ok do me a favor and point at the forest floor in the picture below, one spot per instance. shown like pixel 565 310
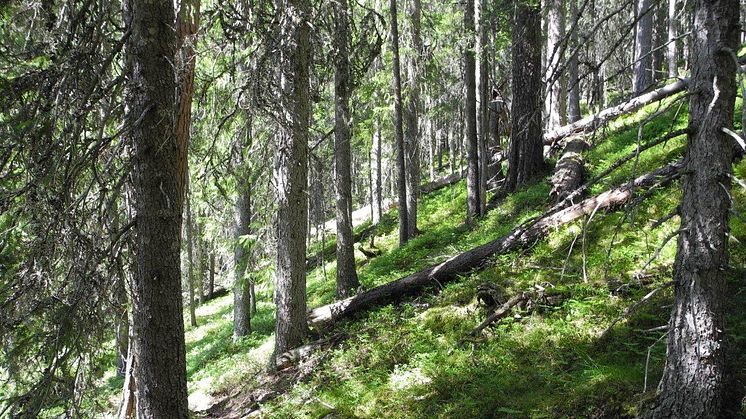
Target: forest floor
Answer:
pixel 412 359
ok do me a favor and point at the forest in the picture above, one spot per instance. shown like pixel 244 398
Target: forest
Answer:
pixel 372 209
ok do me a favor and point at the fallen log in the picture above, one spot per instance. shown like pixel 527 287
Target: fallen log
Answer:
pixel 442 182
pixel 296 355
pixel 568 173
pixel 593 121
pixel 578 192
pixel 218 291
pixel 522 236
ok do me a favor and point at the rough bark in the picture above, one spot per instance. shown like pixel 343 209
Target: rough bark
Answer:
pixel 413 138
pixel 608 114
pixel 347 282
pixel 190 256
pixel 211 275
pixel 472 142
pixel 672 66
pixel 399 128
pixel 660 37
pixel 187 26
pixel 693 379
pixel 573 82
pixel 377 171
pixel 157 313
pixel 291 169
pixel 642 76
pixel 556 97
pixel 568 173
pixel 121 324
pixel 483 102
pixel 522 236
pixel 526 154
pixel 241 259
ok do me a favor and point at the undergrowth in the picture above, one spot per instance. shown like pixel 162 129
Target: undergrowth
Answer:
pixel 411 359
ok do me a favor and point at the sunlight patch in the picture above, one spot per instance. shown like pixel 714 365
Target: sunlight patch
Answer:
pixel 402 379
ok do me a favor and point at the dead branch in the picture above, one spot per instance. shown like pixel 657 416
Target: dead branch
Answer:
pixel 631 309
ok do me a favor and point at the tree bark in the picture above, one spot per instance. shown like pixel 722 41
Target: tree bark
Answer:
pixel 399 128
pixel 573 89
pixel 121 323
pixel 157 313
pixel 609 114
pixel 472 142
pixel 291 176
pixel 377 171
pixel 672 66
pixel 190 256
pixel 483 102
pixel 555 102
pixel 413 138
pixel 347 282
pixel 211 275
pixel 693 379
pixel 660 37
pixel 187 25
pixel 526 154
pixel 568 173
pixel 642 76
pixel 241 257
pixel 521 237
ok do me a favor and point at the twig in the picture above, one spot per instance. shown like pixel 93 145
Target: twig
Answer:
pixel 660 221
pixel 631 309
pixel 500 312
pixel 659 249
pixel 647 361
pixel 567 259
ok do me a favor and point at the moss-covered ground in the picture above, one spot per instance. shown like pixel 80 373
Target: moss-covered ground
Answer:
pixel 409 359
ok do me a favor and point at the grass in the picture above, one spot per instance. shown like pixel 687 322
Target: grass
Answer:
pixel 404 360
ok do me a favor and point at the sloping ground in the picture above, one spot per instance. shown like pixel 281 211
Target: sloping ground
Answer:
pixel 412 358
pixel 406 360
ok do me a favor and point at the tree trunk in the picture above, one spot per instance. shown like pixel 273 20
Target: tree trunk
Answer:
pixel 555 103
pixel 241 255
pixel 201 262
pixel 526 154
pixel 573 89
pixel 413 137
pixel 398 126
pixel 522 236
pixel 211 275
pixel 483 102
pixel 377 171
pixel 693 379
pixel 157 313
pixel 190 256
pixel 121 323
pixel 660 38
pixel 472 142
pixel 187 25
pixel 347 282
pixel 672 66
pixel 291 176
pixel 642 76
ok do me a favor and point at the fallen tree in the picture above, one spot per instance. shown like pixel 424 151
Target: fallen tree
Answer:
pixel 568 173
pixel 593 121
pixel 442 182
pixel 522 236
